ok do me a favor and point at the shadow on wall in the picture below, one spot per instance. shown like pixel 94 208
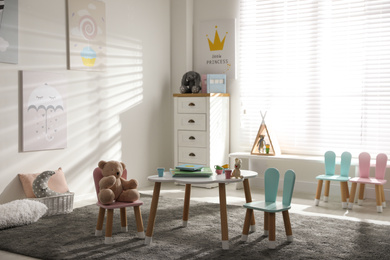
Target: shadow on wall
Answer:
pixel 95 101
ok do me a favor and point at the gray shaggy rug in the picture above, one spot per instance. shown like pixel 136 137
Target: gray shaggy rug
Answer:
pixel 71 236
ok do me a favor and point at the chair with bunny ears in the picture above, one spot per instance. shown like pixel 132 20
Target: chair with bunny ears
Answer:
pixel 330 163
pixel 364 178
pixel 270 206
pixel 97 176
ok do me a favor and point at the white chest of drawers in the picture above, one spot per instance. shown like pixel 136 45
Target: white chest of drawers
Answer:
pixel 201 129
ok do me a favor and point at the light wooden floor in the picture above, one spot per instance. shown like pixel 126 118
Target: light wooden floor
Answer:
pixel 301 204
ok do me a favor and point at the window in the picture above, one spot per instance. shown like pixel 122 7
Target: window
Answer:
pixel 321 70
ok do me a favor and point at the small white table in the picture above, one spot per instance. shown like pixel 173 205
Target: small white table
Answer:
pixel 188 181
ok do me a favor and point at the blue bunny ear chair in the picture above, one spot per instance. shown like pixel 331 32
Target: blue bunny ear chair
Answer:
pixel 270 206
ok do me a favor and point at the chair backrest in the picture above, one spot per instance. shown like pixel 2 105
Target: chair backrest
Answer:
pixel 271 184
pixel 330 162
pixel 288 187
pixel 98 175
pixel 380 167
pixel 364 165
pixel 345 164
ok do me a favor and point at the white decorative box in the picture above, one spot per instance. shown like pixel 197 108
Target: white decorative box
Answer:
pixel 60 204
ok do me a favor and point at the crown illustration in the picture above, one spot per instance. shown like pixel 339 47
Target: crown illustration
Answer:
pixel 217 45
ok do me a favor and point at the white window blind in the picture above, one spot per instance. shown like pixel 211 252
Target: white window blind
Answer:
pixel 321 70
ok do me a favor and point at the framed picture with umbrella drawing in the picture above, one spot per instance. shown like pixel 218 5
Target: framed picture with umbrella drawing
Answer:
pixel 44 111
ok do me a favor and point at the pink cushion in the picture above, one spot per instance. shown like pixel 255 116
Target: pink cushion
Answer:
pixel 57 182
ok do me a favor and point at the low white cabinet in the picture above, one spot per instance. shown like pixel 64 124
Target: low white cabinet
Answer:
pixel 201 129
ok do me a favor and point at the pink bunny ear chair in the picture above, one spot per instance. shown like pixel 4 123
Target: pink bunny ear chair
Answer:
pixel 364 178
pixel 97 176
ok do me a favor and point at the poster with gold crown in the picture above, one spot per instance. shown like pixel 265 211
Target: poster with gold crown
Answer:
pixel 217 48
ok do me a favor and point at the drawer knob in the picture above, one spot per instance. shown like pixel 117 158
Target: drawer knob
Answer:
pixel 191 138
pixel 191 104
pixel 191 121
pixel 191 154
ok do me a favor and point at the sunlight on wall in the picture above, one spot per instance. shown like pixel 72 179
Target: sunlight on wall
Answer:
pixel 95 101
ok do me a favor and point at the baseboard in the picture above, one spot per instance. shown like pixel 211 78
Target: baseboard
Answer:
pixel 83 197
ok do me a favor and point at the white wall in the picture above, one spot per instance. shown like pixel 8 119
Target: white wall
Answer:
pixel 120 114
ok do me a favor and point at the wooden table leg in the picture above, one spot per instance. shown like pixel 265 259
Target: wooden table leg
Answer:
pixel 248 198
pixel 223 210
pixel 152 214
pixel 186 208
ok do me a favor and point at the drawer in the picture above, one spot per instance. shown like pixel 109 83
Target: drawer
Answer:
pixel 191 105
pixel 192 138
pixel 193 155
pixel 191 122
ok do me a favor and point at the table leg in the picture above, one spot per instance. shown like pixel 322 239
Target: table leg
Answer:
pixel 152 214
pixel 186 208
pixel 223 210
pixel 248 198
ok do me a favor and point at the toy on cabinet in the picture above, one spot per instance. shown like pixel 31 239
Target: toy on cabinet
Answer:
pixel 190 83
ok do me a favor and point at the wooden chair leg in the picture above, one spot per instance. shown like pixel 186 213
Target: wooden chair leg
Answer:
pixel 110 218
pixel 186 208
pixel 248 198
pixel 344 187
pixel 361 193
pixel 318 193
pixel 383 196
pixel 287 226
pixel 99 225
pixel 139 222
pixel 352 195
pixel 326 191
pixel 247 222
pixel 266 225
pixel 123 220
pixel 271 237
pixel 378 194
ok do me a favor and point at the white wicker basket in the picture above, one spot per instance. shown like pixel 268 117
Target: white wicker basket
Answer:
pixel 60 204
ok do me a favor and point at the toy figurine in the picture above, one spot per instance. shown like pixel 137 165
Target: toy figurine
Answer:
pixel 261 143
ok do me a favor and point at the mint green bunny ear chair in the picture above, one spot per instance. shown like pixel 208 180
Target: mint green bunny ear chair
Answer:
pixel 330 165
pixel 270 206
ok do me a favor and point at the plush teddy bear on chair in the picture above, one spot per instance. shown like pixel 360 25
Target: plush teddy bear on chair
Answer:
pixel 113 187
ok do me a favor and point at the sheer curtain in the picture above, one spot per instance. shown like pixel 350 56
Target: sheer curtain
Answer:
pixel 321 70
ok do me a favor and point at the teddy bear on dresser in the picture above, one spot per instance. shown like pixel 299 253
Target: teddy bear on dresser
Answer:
pixel 190 83
pixel 113 187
